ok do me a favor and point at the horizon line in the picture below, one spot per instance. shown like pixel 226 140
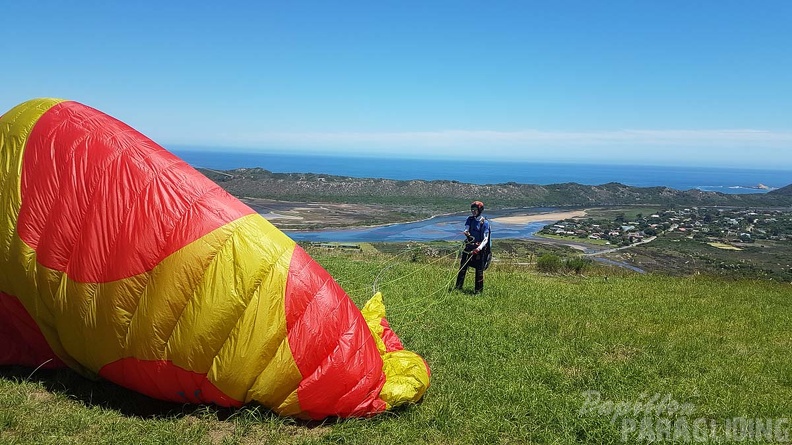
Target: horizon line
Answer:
pixel 243 150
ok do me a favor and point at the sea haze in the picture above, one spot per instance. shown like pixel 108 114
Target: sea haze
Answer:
pixel 725 180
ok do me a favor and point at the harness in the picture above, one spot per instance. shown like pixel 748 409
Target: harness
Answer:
pixel 486 251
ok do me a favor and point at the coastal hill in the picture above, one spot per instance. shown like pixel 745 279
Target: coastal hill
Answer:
pixel 451 195
pixel 783 191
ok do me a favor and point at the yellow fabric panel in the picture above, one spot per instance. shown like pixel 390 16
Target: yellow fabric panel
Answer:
pixel 406 375
pixel 373 312
pixel 236 325
pixel 277 382
pixel 35 287
pixel 94 327
pixel 406 378
pixel 175 284
pixel 15 127
pixel 291 407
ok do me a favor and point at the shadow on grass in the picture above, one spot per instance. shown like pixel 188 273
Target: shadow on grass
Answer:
pixel 108 395
pixel 105 394
pixel 102 393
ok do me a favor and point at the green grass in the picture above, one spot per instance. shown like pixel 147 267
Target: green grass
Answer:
pixel 510 366
pixel 577 239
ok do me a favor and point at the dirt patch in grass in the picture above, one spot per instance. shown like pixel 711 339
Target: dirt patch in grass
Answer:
pixel 40 396
pixel 219 431
pixel 620 353
pixel 287 215
pixel 724 246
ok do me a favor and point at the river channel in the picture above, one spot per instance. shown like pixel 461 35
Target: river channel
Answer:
pixel 449 227
pixel 446 227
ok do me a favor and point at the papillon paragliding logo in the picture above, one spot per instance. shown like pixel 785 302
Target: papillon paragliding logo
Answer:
pixel 659 418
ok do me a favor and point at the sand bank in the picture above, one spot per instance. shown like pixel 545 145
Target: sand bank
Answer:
pixel 554 216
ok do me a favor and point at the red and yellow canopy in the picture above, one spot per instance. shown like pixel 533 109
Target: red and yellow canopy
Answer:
pixel 119 260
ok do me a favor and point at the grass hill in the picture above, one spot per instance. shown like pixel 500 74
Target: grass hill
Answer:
pixel 451 195
pixel 520 364
pixel 783 191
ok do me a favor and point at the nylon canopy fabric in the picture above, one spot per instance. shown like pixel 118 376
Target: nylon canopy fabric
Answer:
pixel 119 260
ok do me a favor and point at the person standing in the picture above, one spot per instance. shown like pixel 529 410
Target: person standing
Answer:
pixel 477 231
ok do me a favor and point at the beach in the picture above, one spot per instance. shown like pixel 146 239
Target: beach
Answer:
pixel 314 215
pixel 551 216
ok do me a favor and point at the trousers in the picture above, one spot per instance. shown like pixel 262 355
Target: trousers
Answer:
pixel 475 261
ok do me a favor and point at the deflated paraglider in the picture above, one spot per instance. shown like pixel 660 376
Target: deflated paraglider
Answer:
pixel 119 260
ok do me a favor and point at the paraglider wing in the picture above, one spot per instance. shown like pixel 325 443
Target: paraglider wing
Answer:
pixel 121 261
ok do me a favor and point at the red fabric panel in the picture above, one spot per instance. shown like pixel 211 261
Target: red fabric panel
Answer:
pixel 331 345
pixel 102 202
pixel 391 340
pixel 21 339
pixel 163 380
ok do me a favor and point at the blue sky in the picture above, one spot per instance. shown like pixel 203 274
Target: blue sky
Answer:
pixel 642 82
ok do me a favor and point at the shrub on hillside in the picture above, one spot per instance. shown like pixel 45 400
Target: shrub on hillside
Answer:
pixel 577 265
pixel 549 263
pixel 552 263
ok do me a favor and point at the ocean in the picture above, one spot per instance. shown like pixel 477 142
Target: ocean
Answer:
pixel 724 180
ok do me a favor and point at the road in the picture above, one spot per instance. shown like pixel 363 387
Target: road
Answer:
pixel 616 249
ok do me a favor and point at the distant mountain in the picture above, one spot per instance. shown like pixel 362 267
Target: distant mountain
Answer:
pixel 783 191
pixel 451 195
